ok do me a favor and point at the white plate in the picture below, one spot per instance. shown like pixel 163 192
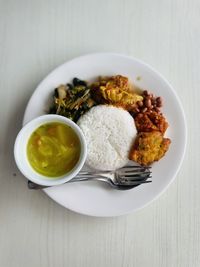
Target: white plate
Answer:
pixel 94 199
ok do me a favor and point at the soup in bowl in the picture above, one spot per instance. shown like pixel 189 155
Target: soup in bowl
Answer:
pixel 50 150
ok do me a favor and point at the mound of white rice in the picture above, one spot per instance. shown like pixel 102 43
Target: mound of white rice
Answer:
pixel 109 133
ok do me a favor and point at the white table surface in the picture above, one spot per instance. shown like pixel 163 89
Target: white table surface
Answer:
pixel 35 37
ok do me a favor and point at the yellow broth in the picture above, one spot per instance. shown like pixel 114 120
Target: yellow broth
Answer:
pixel 53 149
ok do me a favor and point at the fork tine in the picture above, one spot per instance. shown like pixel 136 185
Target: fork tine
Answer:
pixel 144 178
pixel 131 175
pixel 138 180
pixel 135 174
pixel 139 170
pixel 135 167
pixel 134 171
pixel 134 183
pixel 127 174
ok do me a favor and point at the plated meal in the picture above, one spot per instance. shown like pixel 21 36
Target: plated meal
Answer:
pixel 120 121
pixel 117 122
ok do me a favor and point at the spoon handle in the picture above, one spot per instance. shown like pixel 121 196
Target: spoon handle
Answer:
pixel 32 185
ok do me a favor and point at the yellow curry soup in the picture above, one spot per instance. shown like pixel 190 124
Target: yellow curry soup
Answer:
pixel 53 149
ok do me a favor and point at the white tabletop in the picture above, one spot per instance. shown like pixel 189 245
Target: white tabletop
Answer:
pixel 35 37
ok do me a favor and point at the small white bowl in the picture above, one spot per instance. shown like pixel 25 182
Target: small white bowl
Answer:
pixel 20 151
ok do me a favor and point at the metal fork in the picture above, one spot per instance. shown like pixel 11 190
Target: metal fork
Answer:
pixel 121 179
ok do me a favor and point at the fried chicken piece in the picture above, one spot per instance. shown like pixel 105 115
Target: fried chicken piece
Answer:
pixel 115 90
pixel 151 121
pixel 149 147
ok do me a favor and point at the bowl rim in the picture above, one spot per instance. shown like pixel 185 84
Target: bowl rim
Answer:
pixel 27 170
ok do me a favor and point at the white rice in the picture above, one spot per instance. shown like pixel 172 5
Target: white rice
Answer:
pixel 109 133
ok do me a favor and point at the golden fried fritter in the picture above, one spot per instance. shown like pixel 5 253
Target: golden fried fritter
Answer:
pixel 118 81
pixel 149 147
pixel 115 90
pixel 151 121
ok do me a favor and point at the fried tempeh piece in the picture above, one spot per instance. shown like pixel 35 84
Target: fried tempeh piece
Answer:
pixel 149 147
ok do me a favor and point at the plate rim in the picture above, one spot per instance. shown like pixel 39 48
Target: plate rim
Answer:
pixel 157 73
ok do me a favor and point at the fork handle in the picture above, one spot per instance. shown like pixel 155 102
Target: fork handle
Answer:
pixel 32 185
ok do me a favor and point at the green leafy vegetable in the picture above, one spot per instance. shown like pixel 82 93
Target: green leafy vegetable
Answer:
pixel 72 100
